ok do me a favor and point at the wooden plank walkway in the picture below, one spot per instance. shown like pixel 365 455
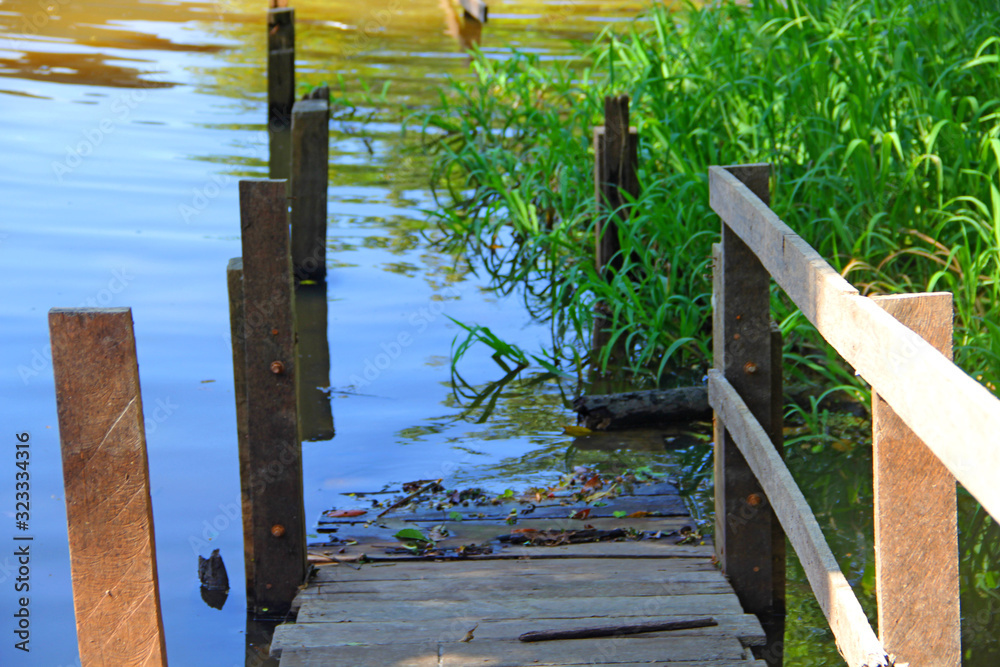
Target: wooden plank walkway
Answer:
pixel 381 606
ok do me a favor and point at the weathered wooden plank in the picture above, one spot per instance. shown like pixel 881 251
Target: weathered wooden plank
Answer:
pixel 237 331
pixel 473 569
pixel 309 182
pixel 325 610
pixel 376 550
pixel 296 636
pixel 749 539
pixel 405 655
pixel 106 474
pixel 916 535
pixel 855 638
pixel 659 647
pixel 955 416
pixel 666 506
pixel 272 424
pixel 513 588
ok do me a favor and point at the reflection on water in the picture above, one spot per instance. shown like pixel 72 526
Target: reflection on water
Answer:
pixel 130 124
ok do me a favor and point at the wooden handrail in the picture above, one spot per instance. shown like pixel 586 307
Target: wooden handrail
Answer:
pixel 855 637
pixel 955 416
pixel 932 424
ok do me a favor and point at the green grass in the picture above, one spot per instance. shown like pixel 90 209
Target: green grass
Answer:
pixel 882 121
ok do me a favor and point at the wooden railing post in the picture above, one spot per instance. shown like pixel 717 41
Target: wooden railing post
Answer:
pixel 309 180
pixel 273 446
pixel 280 87
pixel 108 509
pixel 916 540
pixel 749 539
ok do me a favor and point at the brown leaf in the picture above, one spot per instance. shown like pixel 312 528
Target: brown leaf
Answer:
pixel 339 514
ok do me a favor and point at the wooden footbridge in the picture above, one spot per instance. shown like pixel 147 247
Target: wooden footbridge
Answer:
pixel 629 579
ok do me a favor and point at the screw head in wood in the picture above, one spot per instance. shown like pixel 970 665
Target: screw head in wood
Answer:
pixel 277 530
pixel 749 368
pixel 277 367
pixel 755 499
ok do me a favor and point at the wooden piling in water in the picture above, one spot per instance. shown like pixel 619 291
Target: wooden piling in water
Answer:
pixel 916 540
pixel 106 475
pixel 311 320
pixel 750 543
pixel 616 160
pixel 309 181
pixel 273 446
pixel 280 88
pixel 237 329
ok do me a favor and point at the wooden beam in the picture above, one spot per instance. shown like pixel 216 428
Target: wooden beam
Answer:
pixel 749 539
pixel 280 89
pixel 309 181
pixel 237 329
pixel 855 638
pixel 955 416
pixel 108 509
pixel 616 158
pixel 273 445
pixel 916 535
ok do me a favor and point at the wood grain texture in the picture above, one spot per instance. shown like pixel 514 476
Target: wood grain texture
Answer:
pixel 237 332
pixel 916 535
pixel 955 416
pixel 855 638
pixel 106 473
pixel 750 541
pixel 309 181
pixel 273 444
pixel 616 160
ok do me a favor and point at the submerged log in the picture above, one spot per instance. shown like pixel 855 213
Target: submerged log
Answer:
pixel 639 409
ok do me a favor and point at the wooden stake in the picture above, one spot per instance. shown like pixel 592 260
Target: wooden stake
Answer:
pixel 273 446
pixel 749 539
pixel 616 159
pixel 108 509
pixel 916 541
pixel 280 88
pixel 237 328
pixel 310 160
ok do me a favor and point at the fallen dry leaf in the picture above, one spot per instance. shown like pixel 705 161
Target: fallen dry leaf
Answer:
pixel 340 514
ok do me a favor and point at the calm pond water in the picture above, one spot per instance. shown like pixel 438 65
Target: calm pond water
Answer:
pixel 126 128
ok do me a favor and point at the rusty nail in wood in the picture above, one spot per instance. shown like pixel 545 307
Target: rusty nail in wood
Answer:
pixel 736 336
pixel 754 499
pixel 277 530
pixel 277 367
pixel 274 332
pixel 749 368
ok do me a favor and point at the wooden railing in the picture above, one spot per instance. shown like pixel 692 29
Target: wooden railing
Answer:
pixel 932 424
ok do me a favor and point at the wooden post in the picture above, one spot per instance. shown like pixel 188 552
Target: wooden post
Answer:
pixel 749 539
pixel 916 541
pixel 616 160
pixel 237 328
pixel 315 412
pixel 280 87
pixel 106 474
pixel 273 446
pixel 310 169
